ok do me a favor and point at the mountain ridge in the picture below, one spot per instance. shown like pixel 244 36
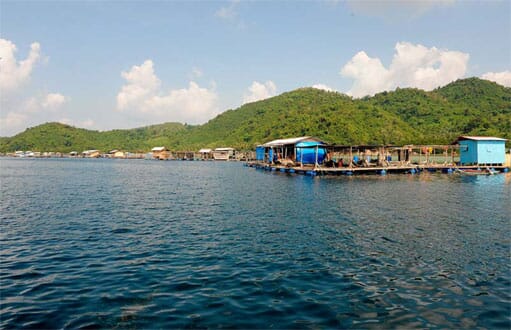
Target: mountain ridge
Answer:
pixel 405 116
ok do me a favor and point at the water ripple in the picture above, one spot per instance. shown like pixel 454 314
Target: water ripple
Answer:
pixel 140 244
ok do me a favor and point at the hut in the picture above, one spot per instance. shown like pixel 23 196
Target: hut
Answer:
pixel 160 153
pixel 304 150
pixel 91 154
pixel 119 154
pixel 205 154
pixel 223 153
pixel 481 150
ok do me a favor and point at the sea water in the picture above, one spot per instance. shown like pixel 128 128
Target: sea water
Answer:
pixel 105 243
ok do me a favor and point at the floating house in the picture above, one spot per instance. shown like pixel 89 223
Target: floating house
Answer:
pixel 481 150
pixel 302 150
pixel 119 154
pixel 205 154
pixel 223 153
pixel 160 153
pixel 91 154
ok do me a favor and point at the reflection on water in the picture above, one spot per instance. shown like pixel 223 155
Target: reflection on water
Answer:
pixel 147 244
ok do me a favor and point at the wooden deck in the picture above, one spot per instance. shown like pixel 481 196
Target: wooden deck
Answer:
pixel 370 170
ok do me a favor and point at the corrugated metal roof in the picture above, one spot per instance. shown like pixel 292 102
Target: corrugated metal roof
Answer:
pixel 158 149
pixel 480 138
pixel 224 149
pixel 205 150
pixel 281 142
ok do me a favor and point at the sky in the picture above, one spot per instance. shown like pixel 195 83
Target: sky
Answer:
pixel 121 64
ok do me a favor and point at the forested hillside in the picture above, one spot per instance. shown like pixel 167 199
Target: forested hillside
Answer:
pixel 405 116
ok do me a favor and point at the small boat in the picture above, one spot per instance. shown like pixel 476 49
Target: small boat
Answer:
pixel 483 171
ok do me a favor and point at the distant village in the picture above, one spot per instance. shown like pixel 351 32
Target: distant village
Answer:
pixel 157 153
pixel 311 155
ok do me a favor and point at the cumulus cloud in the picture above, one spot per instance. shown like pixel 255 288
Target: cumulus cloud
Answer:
pixel 503 78
pixel 14 73
pixel 323 87
pixel 412 66
pixel 142 96
pixel 21 113
pixel 20 108
pixel 141 84
pixel 260 91
pixel 396 9
pixel 53 101
pixel 43 103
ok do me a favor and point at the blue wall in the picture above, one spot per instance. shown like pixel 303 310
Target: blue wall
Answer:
pixel 482 152
pixel 260 153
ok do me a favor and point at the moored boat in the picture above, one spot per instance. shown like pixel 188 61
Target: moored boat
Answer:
pixel 478 171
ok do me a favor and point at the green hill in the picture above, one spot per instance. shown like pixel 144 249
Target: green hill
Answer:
pixel 405 116
pixel 65 138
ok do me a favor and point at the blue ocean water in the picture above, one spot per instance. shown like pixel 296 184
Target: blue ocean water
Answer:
pixel 154 244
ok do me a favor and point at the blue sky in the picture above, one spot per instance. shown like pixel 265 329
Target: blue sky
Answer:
pixel 123 64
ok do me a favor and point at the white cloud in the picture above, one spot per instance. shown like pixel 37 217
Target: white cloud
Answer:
pixel 323 87
pixel 49 102
pixel 14 73
pixel 18 114
pixel 503 78
pixel 229 12
pixel 19 109
pixel 412 66
pixel 12 122
pixel 142 84
pixel 143 97
pixel 53 101
pixel 396 9
pixel 81 124
pixel 260 91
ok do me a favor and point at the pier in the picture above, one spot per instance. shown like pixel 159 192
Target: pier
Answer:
pixel 311 156
pixel 377 170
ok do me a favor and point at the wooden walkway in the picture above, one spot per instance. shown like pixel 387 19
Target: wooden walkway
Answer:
pixel 370 170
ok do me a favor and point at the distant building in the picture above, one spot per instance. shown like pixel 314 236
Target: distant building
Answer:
pixel 206 154
pixel 119 154
pixel 160 153
pixel 223 153
pixel 91 154
pixel 481 150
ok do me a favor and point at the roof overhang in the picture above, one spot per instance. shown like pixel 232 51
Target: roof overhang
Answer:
pixel 478 138
pixel 291 141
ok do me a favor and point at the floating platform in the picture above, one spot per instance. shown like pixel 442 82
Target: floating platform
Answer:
pixel 370 170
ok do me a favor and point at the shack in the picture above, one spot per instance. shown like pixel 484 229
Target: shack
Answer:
pixel 205 154
pixel 304 150
pixel 160 153
pixel 481 150
pixel 223 153
pixel 91 154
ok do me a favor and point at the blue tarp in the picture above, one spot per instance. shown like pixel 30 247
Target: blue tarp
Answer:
pixel 306 152
pixel 260 153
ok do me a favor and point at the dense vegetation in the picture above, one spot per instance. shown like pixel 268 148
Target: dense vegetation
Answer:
pixel 405 116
